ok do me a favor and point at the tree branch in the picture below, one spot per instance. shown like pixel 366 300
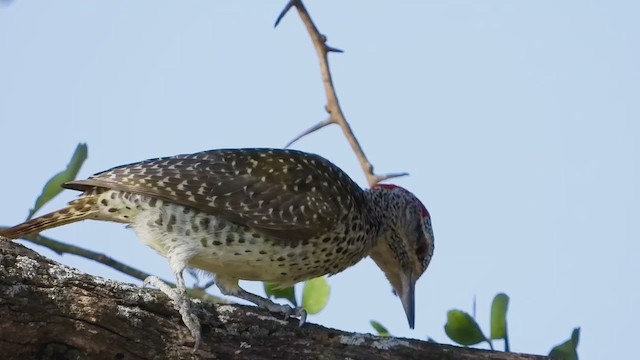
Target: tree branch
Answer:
pixel 50 311
pixel 61 248
pixel 336 116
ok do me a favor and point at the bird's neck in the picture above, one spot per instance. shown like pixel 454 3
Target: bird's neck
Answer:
pixel 382 207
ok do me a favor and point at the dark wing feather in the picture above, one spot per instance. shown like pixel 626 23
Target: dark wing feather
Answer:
pixel 283 193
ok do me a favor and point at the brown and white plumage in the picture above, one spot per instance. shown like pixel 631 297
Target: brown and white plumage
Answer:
pixel 257 214
pixel 283 193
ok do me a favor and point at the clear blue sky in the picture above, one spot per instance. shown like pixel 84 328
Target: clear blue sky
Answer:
pixel 518 121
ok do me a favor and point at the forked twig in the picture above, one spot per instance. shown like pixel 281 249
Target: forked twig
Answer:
pixel 336 116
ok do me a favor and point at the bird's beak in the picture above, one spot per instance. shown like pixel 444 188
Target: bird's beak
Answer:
pixel 407 296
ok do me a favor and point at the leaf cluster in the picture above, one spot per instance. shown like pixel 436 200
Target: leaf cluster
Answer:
pixel 463 329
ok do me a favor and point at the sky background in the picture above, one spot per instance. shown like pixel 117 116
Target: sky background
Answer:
pixel 517 120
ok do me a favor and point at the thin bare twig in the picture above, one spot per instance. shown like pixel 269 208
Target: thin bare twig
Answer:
pixel 314 128
pixel 61 248
pixel 336 116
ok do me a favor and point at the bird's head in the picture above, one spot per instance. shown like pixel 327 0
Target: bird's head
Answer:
pixel 406 245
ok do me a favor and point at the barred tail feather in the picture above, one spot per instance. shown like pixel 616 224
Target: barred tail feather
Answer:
pixel 78 210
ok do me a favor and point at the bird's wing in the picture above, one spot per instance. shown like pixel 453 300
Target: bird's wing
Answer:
pixel 286 194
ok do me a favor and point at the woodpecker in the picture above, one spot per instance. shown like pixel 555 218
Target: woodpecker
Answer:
pixel 274 215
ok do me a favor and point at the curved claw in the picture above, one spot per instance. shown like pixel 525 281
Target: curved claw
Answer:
pixel 302 314
pixel 297 312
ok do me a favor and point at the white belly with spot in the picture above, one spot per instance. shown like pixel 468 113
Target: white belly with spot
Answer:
pixel 189 238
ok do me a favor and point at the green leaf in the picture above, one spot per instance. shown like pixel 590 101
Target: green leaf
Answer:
pixel 272 290
pixel 499 316
pixel 315 295
pixel 382 331
pixel 463 329
pixel 53 187
pixel 568 350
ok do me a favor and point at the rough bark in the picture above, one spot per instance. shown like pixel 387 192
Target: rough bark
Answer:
pixel 51 311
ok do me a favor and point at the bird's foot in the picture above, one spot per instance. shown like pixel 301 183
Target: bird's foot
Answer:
pixel 297 312
pixel 286 310
pixel 230 287
pixel 273 307
pixel 182 303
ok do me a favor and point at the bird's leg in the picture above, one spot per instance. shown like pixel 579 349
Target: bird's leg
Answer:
pixel 181 301
pixel 230 287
